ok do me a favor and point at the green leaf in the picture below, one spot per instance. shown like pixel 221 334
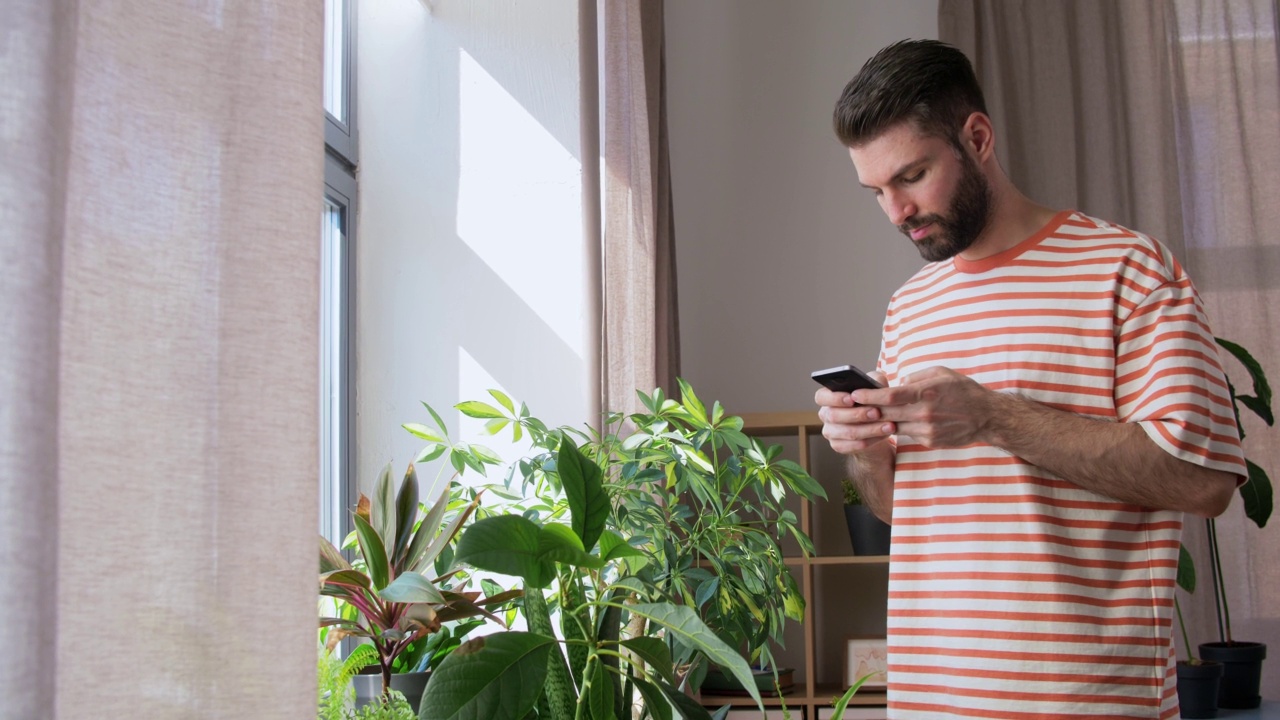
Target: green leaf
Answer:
pixel 424 432
pixel 588 503
pixel 1261 388
pixel 1259 408
pixel 439 422
pixel 496 676
pixel 654 700
pixel 430 452
pixel 375 556
pixel 558 543
pixel 837 710
pixel 495 426
pixel 506 544
pixel 383 511
pixel 411 587
pixel 599 691
pixel 685 625
pixel 406 512
pixel 446 536
pixel 347 577
pixel 613 547
pixel 1257 495
pixel 505 401
pixel 477 409
pixel 691 402
pixel 426 531
pixel 1186 570
pixel 655 654
pixel 330 558
pixel 688 708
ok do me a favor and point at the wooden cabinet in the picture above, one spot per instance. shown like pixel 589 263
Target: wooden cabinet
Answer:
pixel 844 594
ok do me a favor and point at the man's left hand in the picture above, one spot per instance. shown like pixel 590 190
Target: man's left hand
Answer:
pixel 937 407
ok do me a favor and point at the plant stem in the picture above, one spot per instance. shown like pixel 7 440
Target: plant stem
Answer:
pixel 1221 587
pixel 1186 639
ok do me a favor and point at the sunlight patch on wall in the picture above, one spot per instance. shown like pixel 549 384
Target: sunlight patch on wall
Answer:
pixel 520 203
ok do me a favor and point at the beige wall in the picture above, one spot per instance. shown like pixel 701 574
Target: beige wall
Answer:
pixel 469 242
pixel 785 264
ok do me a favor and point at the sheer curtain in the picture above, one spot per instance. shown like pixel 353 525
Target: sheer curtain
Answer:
pixel 1163 116
pixel 161 188
pixel 640 343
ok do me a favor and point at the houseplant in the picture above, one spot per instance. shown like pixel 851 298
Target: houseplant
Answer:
pixel 1242 660
pixel 402 585
pixel 868 533
pixel 669 562
pixel 1199 681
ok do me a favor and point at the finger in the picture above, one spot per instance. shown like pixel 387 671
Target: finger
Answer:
pixel 829 398
pixel 855 415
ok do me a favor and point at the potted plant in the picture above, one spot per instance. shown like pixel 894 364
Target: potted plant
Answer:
pixel 1199 680
pixel 1242 660
pixel 868 533
pixel 402 585
pixel 336 694
pixel 668 562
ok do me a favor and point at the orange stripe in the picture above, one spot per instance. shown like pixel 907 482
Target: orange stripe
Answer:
pixel 1060 503
pixel 1052 658
pixel 1075 542
pixel 1003 714
pixel 1026 577
pixel 1022 695
pixel 1228 458
pixel 1026 597
pixel 1074 618
pixel 1058 677
pixel 1044 557
pixel 1040 518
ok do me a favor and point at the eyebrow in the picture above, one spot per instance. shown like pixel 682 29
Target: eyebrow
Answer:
pixel 905 169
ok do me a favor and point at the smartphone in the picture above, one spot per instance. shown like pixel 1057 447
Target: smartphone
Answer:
pixel 845 378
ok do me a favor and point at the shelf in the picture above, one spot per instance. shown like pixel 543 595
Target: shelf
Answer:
pixel 837 560
pixel 822 697
pixel 780 423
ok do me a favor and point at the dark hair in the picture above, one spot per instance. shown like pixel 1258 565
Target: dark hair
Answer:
pixel 925 81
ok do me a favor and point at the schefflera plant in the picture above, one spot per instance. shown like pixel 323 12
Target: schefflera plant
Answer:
pixel 399 580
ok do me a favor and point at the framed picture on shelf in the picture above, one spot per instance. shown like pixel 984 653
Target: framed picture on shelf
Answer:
pixel 866 656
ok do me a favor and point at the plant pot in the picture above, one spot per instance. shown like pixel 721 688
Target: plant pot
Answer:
pixel 1242 671
pixel 368 686
pixel 869 534
pixel 1198 689
pixel 719 682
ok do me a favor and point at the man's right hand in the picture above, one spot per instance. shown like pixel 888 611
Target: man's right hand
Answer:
pixel 851 429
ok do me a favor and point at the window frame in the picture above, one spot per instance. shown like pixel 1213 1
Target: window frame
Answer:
pixel 341 138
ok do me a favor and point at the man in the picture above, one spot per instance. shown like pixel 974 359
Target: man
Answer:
pixel 1054 403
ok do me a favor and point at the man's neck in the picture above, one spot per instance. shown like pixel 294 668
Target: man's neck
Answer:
pixel 1014 218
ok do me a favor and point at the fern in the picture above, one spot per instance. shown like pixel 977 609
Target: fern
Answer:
pixel 334 690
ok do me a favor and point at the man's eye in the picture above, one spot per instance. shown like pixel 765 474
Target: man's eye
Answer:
pixel 913 178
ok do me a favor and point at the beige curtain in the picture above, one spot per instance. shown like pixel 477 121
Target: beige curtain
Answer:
pixel 161 189
pixel 640 339
pixel 1163 116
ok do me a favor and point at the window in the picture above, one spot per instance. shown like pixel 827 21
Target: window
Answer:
pixel 337 237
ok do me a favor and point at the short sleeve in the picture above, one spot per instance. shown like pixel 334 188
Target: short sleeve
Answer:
pixel 1169 379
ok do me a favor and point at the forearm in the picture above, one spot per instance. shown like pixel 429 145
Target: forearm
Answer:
pixel 1116 460
pixel 872 472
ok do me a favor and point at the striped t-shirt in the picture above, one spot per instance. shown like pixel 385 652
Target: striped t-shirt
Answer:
pixel 1012 593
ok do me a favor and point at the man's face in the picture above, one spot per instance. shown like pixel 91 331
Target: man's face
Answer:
pixel 936 195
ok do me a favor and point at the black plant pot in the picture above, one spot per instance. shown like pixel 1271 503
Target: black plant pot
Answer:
pixel 1198 689
pixel 368 686
pixel 869 534
pixel 1242 673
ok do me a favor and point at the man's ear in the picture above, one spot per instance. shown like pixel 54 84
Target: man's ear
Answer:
pixel 979 136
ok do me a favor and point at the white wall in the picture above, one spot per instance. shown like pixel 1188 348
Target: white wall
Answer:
pixel 469 242
pixel 785 264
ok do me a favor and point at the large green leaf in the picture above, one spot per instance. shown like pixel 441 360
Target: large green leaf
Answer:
pixel 588 503
pixel 496 676
pixel 477 409
pixel 837 710
pixel 654 700
pixel 599 691
pixel 1257 494
pixel 558 543
pixel 424 432
pixel 506 544
pixel 688 708
pixel 613 547
pixel 1186 570
pixel 375 555
pixel 1261 404
pixel 683 623
pixel 406 512
pixel 411 587
pixel 655 653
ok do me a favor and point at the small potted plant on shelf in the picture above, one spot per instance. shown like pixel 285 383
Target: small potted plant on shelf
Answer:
pixel 657 537
pixel 868 533
pixel 402 585
pixel 1241 660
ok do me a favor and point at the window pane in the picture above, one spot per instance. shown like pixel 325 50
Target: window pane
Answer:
pixel 335 59
pixel 332 369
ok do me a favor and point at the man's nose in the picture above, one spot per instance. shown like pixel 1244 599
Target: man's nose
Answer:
pixel 898 207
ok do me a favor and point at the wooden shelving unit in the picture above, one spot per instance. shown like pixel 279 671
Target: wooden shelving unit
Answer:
pixel 808 694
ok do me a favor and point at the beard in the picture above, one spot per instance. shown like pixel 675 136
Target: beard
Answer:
pixel 967 216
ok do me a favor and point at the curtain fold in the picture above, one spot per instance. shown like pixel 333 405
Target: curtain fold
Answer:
pixel 161 296
pixel 640 343
pixel 1165 117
